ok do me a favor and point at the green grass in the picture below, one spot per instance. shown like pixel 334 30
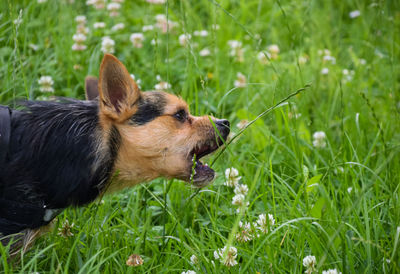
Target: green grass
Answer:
pixel 304 187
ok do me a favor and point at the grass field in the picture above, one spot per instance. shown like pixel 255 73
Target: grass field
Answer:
pixel 325 164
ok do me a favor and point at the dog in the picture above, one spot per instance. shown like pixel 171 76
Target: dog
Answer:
pixel 62 153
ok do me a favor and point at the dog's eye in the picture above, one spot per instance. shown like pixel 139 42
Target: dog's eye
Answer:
pixel 180 115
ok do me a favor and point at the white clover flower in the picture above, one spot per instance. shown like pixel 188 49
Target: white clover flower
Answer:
pixel 245 233
pixel 98 4
pixel 41 1
pixel 302 60
pixel 114 8
pixel 161 17
pixel 240 81
pixel 331 271
pixel 347 75
pixel 107 45
pixel 184 39
pixel 118 1
pixel 263 57
pixel 156 2
pixel 65 229
pixel 78 47
pixel 99 25
pixel 147 28
pixel 137 39
pixel 82 29
pixel 201 33
pixel 189 271
pixel 228 259
pixel 163 24
pixel 262 224
pixel 354 14
pixel 236 50
pixel 239 200
pixel 324 71
pixel 118 26
pixel 205 52
pixel 193 259
pixel 349 189
pixel 232 177
pixel 274 51
pixel 363 62
pixel 79 38
pixel 328 58
pixel 241 189
pixel 319 139
pixel 46 84
pixel 77 67
pixel 162 86
pixel 80 19
pixel 234 44
pixel 309 262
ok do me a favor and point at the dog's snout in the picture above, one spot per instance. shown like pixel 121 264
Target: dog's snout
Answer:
pixel 223 126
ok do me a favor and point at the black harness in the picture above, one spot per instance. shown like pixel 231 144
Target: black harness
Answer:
pixel 16 215
pixel 5 132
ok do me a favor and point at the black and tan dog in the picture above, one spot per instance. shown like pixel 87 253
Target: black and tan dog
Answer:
pixel 64 153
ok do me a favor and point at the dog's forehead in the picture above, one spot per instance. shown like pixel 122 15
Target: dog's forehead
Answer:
pixel 169 103
pixel 174 103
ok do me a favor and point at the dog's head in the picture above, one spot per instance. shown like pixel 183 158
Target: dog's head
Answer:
pixel 158 135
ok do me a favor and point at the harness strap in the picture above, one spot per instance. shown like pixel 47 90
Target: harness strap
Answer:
pixel 5 132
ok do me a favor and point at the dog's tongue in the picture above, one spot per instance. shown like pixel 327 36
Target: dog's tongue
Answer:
pixel 203 174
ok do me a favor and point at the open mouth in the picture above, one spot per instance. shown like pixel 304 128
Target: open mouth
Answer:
pixel 202 174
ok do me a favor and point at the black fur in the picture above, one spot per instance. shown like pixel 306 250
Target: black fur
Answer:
pixel 149 108
pixel 50 161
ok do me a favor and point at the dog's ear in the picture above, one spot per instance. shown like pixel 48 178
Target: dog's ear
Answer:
pixel 117 90
pixel 91 87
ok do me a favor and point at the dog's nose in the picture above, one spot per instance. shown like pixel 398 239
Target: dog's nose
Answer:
pixel 224 123
pixel 223 126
